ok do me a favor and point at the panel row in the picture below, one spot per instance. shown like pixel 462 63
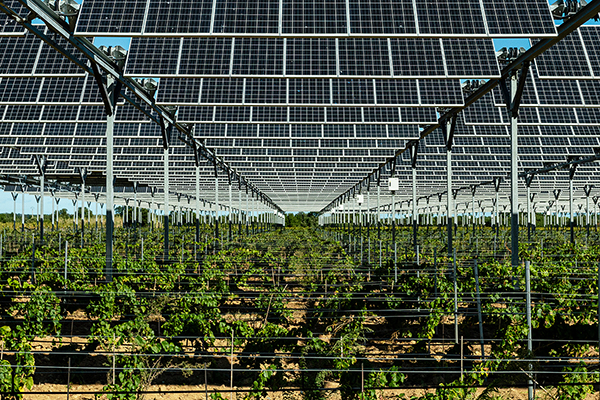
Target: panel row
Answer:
pixel 313 92
pixel 301 57
pixel 555 92
pixel 477 18
pixel 235 92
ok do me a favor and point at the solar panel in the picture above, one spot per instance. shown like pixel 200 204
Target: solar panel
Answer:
pixel 440 92
pixel 19 90
pixel 311 57
pixel 382 17
pixel 306 114
pixel 182 16
pixel 19 55
pixel 483 112
pixel 470 58
pixel 515 17
pixel 558 93
pixel 91 114
pixel 60 113
pixel 590 92
pixel 450 17
pixel 111 17
pixel 567 59
pixel 258 56
pixel 8 26
pixel 270 114
pixel 417 57
pixel 587 115
pixel 52 63
pixel 314 17
pixel 247 17
pixel 364 57
pixel 590 36
pixel 396 92
pixel 264 91
pixel 61 90
pixel 153 56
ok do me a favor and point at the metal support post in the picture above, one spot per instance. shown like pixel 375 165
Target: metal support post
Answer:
pixel 166 202
pixel 216 205
pixel 587 190
pixel 448 129
pixel 23 210
pixel 414 148
pixel 529 336
pixel 572 169
pixel 512 100
pixel 41 164
pixel 111 86
pixel 14 196
pixel 197 237
pixel 378 217
pixel 230 214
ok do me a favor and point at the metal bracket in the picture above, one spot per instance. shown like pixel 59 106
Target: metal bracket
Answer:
pixel 513 104
pixel 439 195
pixel 587 189
pixel 572 169
pixel 393 167
pixel 41 163
pixel 556 193
pixel 497 182
pixel 473 189
pixel 532 196
pixel 529 179
pixel 83 173
pixel 449 135
pixel 455 193
pixel 413 147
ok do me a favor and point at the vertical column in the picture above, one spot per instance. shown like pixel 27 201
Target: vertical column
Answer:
pixel 378 217
pixel 166 202
pixel 528 180
pixel 415 213
pixel 42 208
pixel 587 189
pixel 197 204
pixel 449 127
pixel 572 169
pixel 216 205
pixel 41 164
pixel 230 211
pixel 110 194
pixel 514 173
pixel 14 196
pixel 23 209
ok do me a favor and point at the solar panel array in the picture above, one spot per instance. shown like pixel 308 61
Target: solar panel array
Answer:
pixel 304 98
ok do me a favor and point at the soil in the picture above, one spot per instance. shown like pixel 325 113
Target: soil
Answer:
pixel 173 392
